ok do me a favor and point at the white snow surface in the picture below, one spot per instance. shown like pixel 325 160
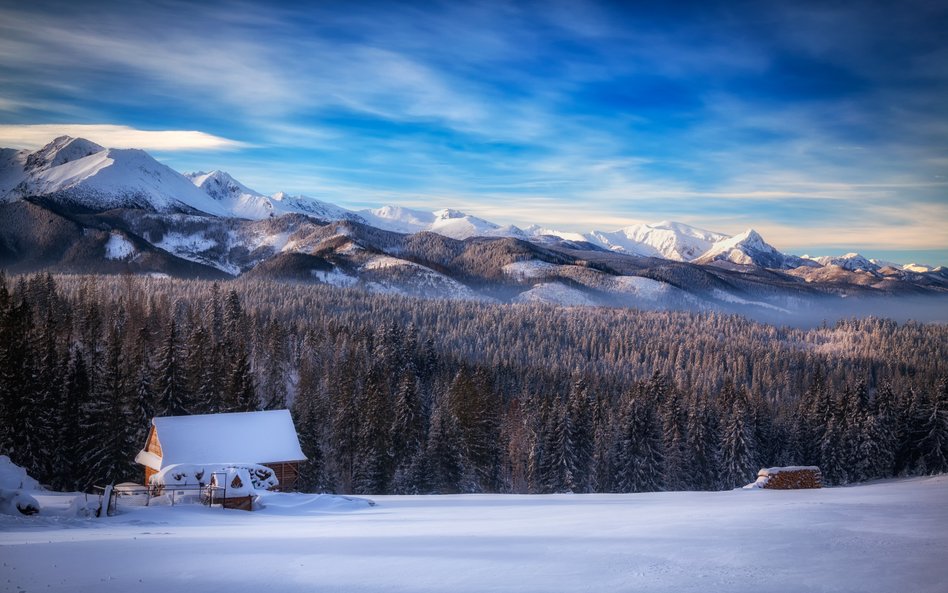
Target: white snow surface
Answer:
pixel 239 437
pixel 118 247
pixel 555 293
pixel 877 538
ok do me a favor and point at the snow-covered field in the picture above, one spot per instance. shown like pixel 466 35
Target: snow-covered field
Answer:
pixel 889 536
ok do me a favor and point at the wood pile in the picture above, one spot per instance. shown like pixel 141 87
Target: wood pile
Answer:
pixel 790 478
pixel 243 503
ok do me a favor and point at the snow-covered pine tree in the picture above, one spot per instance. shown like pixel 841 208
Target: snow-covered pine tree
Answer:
pixel 275 372
pixel 602 446
pixel 67 462
pixel 198 347
pixel 701 444
pixel 16 378
pixel 833 457
pixel 374 464
pixel 678 468
pixel 738 462
pixel 637 456
pixel 109 447
pixel 344 423
pixel 408 430
pixel 555 471
pixel 308 417
pixel 241 393
pixel 475 408
pixel 445 458
pixel 933 446
pixel 579 434
pixel 171 384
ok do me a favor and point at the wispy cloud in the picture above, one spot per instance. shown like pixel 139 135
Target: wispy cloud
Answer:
pixel 112 136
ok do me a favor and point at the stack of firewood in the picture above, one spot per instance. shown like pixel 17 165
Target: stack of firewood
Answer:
pixel 791 478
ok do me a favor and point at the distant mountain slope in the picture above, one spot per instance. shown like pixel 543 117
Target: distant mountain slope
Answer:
pixel 74 206
pixel 242 202
pixel 447 222
pixel 749 249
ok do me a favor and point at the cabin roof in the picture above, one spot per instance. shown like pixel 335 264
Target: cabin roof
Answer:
pixel 240 437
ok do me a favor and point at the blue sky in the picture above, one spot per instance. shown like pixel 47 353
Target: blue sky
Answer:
pixel 822 125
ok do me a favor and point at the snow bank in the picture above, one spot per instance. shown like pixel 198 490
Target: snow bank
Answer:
pixel 296 504
pixel 15 485
pixel 17 501
pixel 14 477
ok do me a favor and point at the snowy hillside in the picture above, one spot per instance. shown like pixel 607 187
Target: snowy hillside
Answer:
pixel 876 538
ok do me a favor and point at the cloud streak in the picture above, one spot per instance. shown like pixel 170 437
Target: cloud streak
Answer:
pixel 112 136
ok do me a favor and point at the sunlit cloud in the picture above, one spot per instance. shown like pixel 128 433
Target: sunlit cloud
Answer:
pixel 112 136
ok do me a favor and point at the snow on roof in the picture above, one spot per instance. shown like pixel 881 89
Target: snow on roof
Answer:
pixel 247 437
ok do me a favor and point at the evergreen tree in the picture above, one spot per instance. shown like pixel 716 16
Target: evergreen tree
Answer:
pixel 701 446
pixel 638 455
pixel 408 432
pixel 738 463
pixel 172 388
pixel 475 409
pixel 67 463
pixel 677 470
pixel 934 443
pixel 109 447
pixel 374 465
pixel 241 392
pixel 579 436
pixel 445 459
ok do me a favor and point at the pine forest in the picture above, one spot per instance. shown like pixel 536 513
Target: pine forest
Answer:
pixel 399 395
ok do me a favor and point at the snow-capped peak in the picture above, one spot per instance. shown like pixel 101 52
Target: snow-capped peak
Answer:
pixel 220 185
pixel 665 239
pixel 849 261
pixel 77 171
pixel 448 214
pixel 60 151
pixel 748 248
pixel 446 221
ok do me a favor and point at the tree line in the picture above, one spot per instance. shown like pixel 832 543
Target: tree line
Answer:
pixel 393 394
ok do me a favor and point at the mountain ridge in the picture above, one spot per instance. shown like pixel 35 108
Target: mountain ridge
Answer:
pixel 84 208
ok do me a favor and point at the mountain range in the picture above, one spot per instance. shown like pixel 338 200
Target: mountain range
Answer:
pixel 75 206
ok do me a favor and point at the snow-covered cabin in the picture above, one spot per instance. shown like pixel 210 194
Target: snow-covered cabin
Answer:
pixel 267 438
